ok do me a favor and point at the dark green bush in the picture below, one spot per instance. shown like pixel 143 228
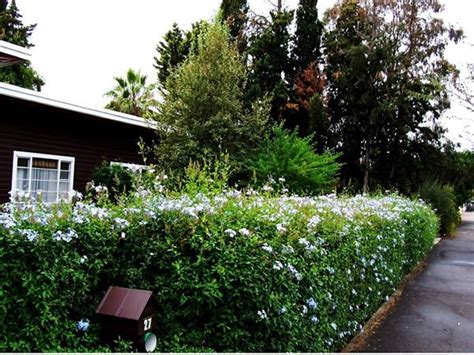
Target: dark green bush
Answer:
pixel 285 155
pixel 231 271
pixel 116 178
pixel 443 200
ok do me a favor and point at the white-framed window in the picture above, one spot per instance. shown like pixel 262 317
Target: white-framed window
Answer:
pixel 50 175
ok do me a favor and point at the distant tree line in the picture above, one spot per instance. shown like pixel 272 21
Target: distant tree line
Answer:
pixel 367 83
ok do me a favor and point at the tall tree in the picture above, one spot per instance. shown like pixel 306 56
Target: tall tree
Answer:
pixel 234 13
pixel 132 95
pixel 203 108
pixel 386 75
pixel 176 46
pixel 172 51
pixel 305 77
pixel 269 52
pixel 307 37
pixel 13 31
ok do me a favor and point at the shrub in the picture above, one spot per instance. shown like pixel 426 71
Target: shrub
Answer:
pixel 235 271
pixel 203 109
pixel 284 154
pixel 443 200
pixel 116 178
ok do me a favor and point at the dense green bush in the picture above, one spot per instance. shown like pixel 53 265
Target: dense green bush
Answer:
pixel 232 271
pixel 443 200
pixel 285 155
pixel 116 178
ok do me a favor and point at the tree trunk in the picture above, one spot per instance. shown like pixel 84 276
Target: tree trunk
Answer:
pixel 365 186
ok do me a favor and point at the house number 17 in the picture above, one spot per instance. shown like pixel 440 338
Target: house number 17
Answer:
pixel 146 324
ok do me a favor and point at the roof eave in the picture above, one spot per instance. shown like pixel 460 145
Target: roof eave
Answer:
pixel 37 97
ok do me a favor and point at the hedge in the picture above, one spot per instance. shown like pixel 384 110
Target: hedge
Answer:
pixel 234 271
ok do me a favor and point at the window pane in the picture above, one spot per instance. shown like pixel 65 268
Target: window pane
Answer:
pixel 64 186
pixel 22 178
pixel 44 180
pixel 23 162
pixel 45 163
pixel 64 175
pixel 65 165
pixel 49 196
pixel 22 173
pixel 22 184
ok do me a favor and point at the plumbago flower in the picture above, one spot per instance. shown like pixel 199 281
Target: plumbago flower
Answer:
pixel 293 241
pixel 83 325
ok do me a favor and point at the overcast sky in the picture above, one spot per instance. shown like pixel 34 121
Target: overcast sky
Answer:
pixel 81 45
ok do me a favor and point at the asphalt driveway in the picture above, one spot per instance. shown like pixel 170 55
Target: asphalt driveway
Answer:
pixel 436 310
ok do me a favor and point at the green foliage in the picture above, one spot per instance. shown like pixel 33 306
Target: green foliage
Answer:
pixel 232 272
pixel 176 46
pixel 269 50
pixel 285 155
pixel 202 112
pixel 117 179
pixel 307 38
pixel 318 123
pixel 235 14
pixel 13 31
pixel 443 200
pixel 132 95
pixel 381 95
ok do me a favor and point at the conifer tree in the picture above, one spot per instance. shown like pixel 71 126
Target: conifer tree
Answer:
pixel 176 46
pixel 13 31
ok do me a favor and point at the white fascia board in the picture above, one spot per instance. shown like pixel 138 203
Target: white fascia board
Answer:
pixel 37 97
pixel 15 51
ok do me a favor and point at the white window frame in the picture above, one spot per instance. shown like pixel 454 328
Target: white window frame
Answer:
pixel 31 156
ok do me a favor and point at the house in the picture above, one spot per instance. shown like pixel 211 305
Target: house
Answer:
pixel 54 146
pixel 11 54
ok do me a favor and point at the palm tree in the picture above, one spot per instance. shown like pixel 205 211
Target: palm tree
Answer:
pixel 131 95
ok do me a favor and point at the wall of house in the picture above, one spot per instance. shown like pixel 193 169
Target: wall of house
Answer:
pixel 36 128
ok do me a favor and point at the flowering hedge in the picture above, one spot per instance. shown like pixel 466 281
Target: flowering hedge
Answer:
pixel 231 271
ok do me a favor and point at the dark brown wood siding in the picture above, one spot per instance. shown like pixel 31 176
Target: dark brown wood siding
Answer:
pixel 37 128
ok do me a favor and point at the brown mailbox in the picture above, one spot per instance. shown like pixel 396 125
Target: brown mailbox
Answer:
pixel 130 314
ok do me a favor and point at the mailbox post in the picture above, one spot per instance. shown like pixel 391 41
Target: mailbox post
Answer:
pixel 130 314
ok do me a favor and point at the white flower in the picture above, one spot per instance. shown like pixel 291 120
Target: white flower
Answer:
pixel 83 259
pixel 83 325
pixel 31 235
pixel 314 319
pixel 75 194
pixel 100 188
pixel 282 310
pixel 122 223
pixel 244 232
pixel 230 232
pixel 281 228
pixel 267 248
pixel 267 188
pixel 294 272
pixel 304 309
pixel 190 211
pixel 334 325
pixel 303 241
pixel 262 314
pixel 277 265
pixel 282 179
pixel 311 303
pixel 287 249
pixel 313 222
